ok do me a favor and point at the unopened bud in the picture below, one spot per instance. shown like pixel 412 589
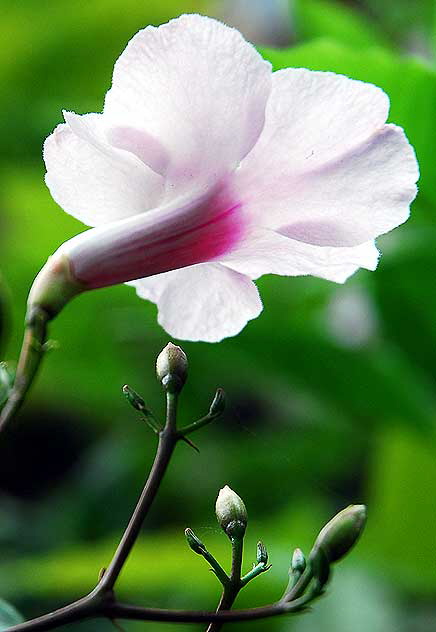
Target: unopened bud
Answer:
pixel 172 368
pixel 231 513
pixel 6 383
pixel 134 398
pixel 218 403
pixel 298 563
pixel 262 554
pixel 195 543
pixel 341 533
pixel 320 565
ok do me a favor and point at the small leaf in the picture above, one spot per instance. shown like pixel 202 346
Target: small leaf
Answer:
pixel 9 616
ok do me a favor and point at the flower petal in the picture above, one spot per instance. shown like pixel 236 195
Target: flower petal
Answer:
pixel 267 252
pixel 197 87
pixel 206 302
pixel 91 180
pixel 326 167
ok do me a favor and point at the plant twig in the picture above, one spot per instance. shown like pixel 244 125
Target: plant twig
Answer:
pixel 102 602
pixel 168 438
pixel 231 588
pixel 92 607
pixel 31 355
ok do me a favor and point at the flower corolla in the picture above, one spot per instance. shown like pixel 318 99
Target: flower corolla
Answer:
pixel 206 170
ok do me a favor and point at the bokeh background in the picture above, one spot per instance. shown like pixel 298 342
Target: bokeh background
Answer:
pixel 331 392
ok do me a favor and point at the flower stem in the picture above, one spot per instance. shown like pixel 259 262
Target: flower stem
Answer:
pixel 32 351
pixel 232 588
pixel 167 442
pixel 94 607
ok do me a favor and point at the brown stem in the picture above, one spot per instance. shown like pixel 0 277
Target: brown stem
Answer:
pixel 231 589
pixel 93 607
pixel 167 442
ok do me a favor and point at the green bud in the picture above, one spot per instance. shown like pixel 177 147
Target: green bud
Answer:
pixel 298 563
pixel 341 533
pixel 134 398
pixel 218 403
pixel 262 554
pixel 172 368
pixel 320 565
pixel 6 382
pixel 231 513
pixel 194 543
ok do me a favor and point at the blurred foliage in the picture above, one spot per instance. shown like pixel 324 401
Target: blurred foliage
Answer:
pixel 322 18
pixel 409 22
pixel 327 405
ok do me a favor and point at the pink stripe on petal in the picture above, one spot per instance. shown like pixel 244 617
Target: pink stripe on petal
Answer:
pixel 157 241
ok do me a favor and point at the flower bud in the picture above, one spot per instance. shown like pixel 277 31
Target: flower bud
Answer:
pixel 298 563
pixel 134 398
pixel 194 543
pixel 218 403
pixel 172 368
pixel 320 565
pixel 231 513
pixel 262 554
pixel 6 382
pixel 341 533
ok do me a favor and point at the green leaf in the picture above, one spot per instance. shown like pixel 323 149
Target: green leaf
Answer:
pixel 410 84
pixel 320 18
pixel 8 615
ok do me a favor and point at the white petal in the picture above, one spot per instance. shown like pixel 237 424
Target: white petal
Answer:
pixel 141 144
pixel 314 117
pixel 267 252
pixel 365 194
pixel 91 180
pixel 197 87
pixel 206 302
pixel 325 165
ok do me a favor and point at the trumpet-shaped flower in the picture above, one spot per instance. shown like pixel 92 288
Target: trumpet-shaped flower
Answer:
pixel 206 170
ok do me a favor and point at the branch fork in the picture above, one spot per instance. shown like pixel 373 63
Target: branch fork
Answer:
pixel 307 580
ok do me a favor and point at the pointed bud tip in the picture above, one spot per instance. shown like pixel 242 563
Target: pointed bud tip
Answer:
pixel 194 543
pixel 298 563
pixel 218 403
pixel 262 553
pixel 231 513
pixel 133 398
pixel 172 368
pixel 341 533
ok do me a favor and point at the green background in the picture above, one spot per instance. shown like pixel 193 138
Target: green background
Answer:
pixel 331 391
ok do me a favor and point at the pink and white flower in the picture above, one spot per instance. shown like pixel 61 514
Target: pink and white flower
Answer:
pixel 206 170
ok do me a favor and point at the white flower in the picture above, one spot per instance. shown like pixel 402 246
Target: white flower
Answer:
pixel 207 170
